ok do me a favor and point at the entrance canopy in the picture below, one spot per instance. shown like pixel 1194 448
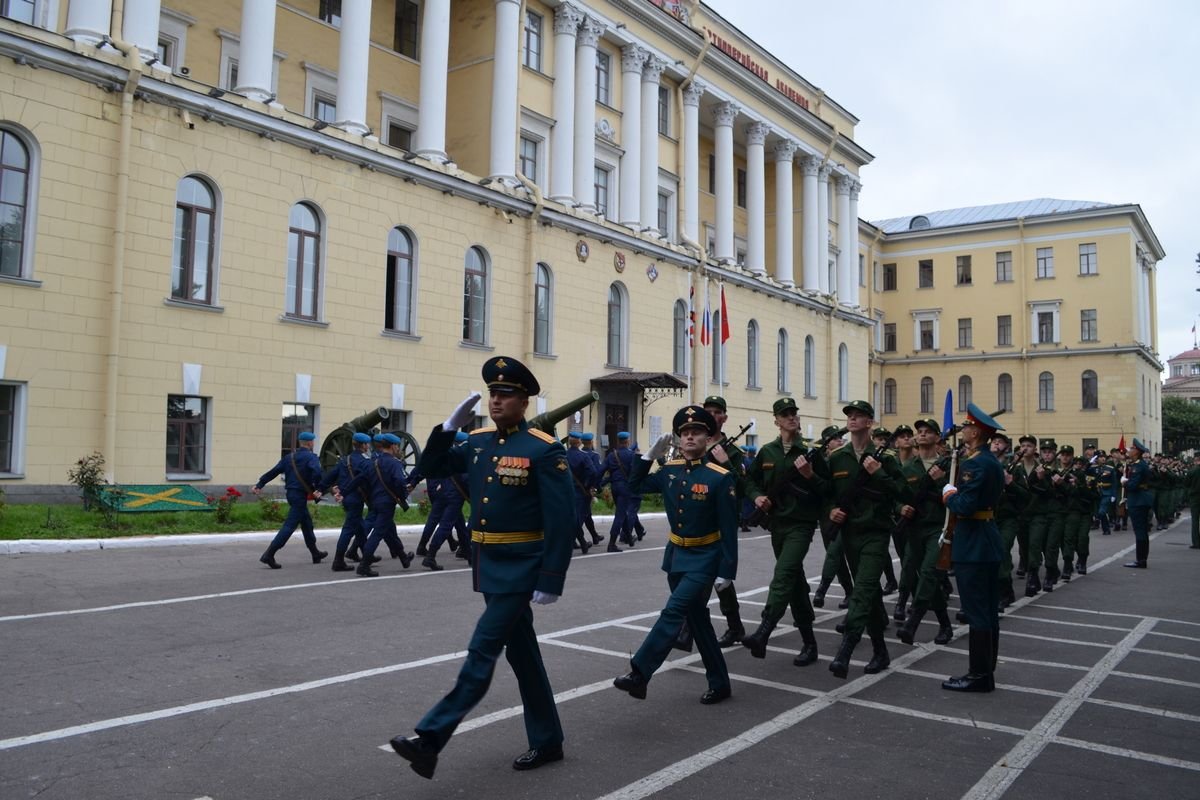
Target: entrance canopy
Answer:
pixel 651 385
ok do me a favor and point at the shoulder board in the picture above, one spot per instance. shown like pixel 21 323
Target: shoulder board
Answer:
pixel 483 430
pixel 545 437
pixel 674 462
pixel 717 468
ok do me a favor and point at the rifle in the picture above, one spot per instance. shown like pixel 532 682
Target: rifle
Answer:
pixel 928 488
pixel 849 498
pixel 787 484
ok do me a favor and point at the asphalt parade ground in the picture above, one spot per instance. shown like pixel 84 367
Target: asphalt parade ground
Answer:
pixel 195 672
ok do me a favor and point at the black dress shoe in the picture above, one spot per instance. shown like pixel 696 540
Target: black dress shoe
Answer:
pixel 1136 565
pixel 342 566
pixel 318 556
pixel 840 627
pixel 845 603
pixel 406 560
pixel 714 696
pixel 364 571
pixel 421 551
pixel 970 683
pixel 632 682
pixel 731 637
pixel 270 561
pixel 420 755
pixel 612 549
pixel 532 759
pixel 429 562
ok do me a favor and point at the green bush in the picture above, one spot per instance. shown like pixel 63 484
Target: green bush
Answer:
pixel 88 475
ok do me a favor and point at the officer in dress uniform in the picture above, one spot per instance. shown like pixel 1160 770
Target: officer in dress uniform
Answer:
pixel 522 524
pixel 340 475
pixel 617 465
pixel 700 498
pixel 1107 481
pixel 1139 499
pixel 388 485
pixel 301 471
pixel 977 549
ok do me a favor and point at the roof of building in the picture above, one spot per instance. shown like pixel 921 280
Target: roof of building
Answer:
pixel 1193 353
pixel 972 215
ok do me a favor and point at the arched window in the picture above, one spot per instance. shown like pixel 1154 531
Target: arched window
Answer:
pixel 926 395
pixel 781 362
pixel 618 324
pixel 889 396
pixel 843 373
pixel 964 392
pixel 192 259
pixel 752 354
pixel 679 338
pixel 18 185
pixel 543 306
pixel 475 296
pixel 1004 394
pixel 400 294
pixel 810 367
pixel 1046 392
pixel 304 262
pixel 719 362
pixel 1091 390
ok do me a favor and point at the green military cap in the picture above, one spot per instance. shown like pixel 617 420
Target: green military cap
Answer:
pixel 1047 444
pixel 1066 448
pixel 903 429
pixel 715 400
pixel 1028 437
pixel 1004 436
pixel 782 405
pixel 928 422
pixel 830 430
pixel 861 406
pixel 881 431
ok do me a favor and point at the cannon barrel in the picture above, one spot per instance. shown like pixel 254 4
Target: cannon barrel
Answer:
pixel 546 422
pixel 341 440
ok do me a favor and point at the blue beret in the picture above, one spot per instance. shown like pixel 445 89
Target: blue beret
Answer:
pixel 392 438
pixel 362 438
pixel 307 436
pixel 378 438
pixel 623 435
pixel 506 374
pixel 588 436
pixel 461 436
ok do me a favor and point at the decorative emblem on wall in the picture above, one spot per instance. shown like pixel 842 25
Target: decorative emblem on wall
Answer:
pixel 619 261
pixel 582 251
pixel 652 273
pixel 605 130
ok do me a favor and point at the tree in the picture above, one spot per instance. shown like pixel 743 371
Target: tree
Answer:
pixel 1180 424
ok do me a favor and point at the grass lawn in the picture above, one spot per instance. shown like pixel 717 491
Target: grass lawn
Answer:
pixel 72 522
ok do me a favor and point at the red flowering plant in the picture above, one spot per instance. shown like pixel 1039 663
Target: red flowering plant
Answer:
pixel 224 503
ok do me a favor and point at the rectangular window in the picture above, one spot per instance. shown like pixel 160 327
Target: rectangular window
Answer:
pixel 889 337
pixel 664 217
pixel 398 421
pixel 187 434
pixel 1004 272
pixel 399 136
pixel 1004 330
pixel 21 11
pixel 889 397
pixel 1087 259
pixel 10 427
pixel 533 41
pixel 889 277
pixel 664 110
pixel 1088 331
pixel 603 183
pixel 529 158
pixel 298 418
pixel 324 107
pixel 926 334
pixel 331 12
pixel 925 274
pixel 405 35
pixel 401 284
pixel 1045 327
pixel 741 188
pixel 712 173
pixel 603 78
pixel 962 270
pixel 964 332
pixel 1045 262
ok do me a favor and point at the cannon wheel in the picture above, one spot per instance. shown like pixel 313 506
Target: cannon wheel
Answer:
pixel 410 451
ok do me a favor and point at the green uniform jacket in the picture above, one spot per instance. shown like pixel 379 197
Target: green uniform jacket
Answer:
pixel 772 465
pixel 931 514
pixel 1192 482
pixel 870 507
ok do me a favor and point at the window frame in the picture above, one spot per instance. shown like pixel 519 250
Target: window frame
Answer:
pixel 289 432
pixel 481 302
pixel 720 356
pixel 890 338
pixel 12 429
pixel 889 396
pixel 664 110
pixel 925 273
pixel 1045 263
pixel 1004 330
pixel 179 470
pixel 32 177
pixel 402 23
pixel 543 310
pixel 843 373
pixel 752 355
pixel 1088 379
pixel 1004 266
pixel 781 361
pixel 295 312
pixel 890 283
pixel 617 326
pixel 1046 391
pixel 966 389
pixel 533 41
pixel 962 271
pixel 679 338
pixel 602 190
pixel 604 62
pixel 966 334
pixel 1089 327
pixel 1004 391
pixel 926 399
pixel 810 367
pixel 1089 263
pixel 394 260
pixel 525 141
pixel 188 269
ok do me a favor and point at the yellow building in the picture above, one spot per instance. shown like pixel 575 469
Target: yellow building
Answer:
pixel 1043 308
pixel 228 221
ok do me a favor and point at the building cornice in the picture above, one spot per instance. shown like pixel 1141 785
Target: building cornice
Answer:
pixel 1020 355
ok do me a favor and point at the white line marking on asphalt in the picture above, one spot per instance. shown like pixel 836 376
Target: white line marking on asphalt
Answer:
pixel 1155 712
pixel 1121 751
pixel 997 780
pixel 1047 620
pixel 1035 662
pixel 1146 651
pixel 1116 614
pixel 1137 676
pixel 1055 639
pixel 1176 636
pixel 1007 686
pixel 912 712
pixel 783 687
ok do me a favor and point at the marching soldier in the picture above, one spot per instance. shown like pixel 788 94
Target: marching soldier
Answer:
pixel 1081 501
pixel 1107 481
pixel 1023 468
pixel 583 477
pixel 617 465
pixel 340 475
pixel 301 471
pixel 1009 512
pixel 701 504
pixel 521 531
pixel 834 564
pixel 588 438
pixel 1191 483
pixel 727 454
pixel 1139 499
pixel 389 488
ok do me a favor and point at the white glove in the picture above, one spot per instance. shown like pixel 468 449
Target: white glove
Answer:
pixel 723 583
pixel 659 448
pixel 544 598
pixel 463 414
pixel 948 490
pixel 1124 480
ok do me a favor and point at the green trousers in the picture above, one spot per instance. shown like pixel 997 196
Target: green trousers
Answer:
pixel 835 562
pixel 1077 533
pixel 1045 542
pixel 866 552
pixel 789 586
pixel 920 570
pixel 1195 509
pixel 1010 530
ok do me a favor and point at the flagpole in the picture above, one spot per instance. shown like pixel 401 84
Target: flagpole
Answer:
pixel 703 327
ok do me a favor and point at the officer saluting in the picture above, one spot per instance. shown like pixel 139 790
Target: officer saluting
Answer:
pixel 522 524
pixel 301 471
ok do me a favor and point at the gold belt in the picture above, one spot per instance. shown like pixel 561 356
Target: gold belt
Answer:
pixel 511 537
pixel 989 514
pixel 694 541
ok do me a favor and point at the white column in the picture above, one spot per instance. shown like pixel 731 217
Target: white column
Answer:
pixel 855 188
pixel 354 49
pixel 648 181
pixel 1143 311
pixel 430 141
pixel 505 70
pixel 585 113
pixel 784 152
pixel 823 282
pixel 845 242
pixel 632 60
pixel 140 26
pixel 89 21
pixel 691 161
pixel 723 117
pixel 256 50
pixel 756 198
pixel 810 225
pixel 562 137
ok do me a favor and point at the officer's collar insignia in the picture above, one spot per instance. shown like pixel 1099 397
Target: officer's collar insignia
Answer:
pixel 501 364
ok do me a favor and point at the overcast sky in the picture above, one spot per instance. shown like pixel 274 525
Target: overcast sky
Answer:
pixel 972 102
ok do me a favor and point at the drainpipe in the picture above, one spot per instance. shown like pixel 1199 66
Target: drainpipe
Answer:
pixel 530 262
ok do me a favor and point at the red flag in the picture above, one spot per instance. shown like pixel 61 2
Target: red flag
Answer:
pixel 1121 444
pixel 706 326
pixel 724 317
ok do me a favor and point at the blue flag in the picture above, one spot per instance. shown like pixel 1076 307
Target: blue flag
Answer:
pixel 948 412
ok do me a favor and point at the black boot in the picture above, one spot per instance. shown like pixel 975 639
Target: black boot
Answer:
pixel 901 605
pixel 352 552
pixel 818 599
pixel 268 557
pixel 995 650
pixel 880 660
pixel 1068 570
pixel 734 633
pixel 1032 584
pixel 422 545
pixel 889 584
pixel 979 676
pixel 683 640
pixel 430 563
pixel 808 653
pixel 1007 595
pixel 1081 565
pixel 945 629
pixel 318 555
pixel 756 642
pixel 908 631
pixel 840 666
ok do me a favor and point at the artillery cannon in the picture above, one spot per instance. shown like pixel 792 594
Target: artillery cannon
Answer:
pixel 341 440
pixel 545 422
